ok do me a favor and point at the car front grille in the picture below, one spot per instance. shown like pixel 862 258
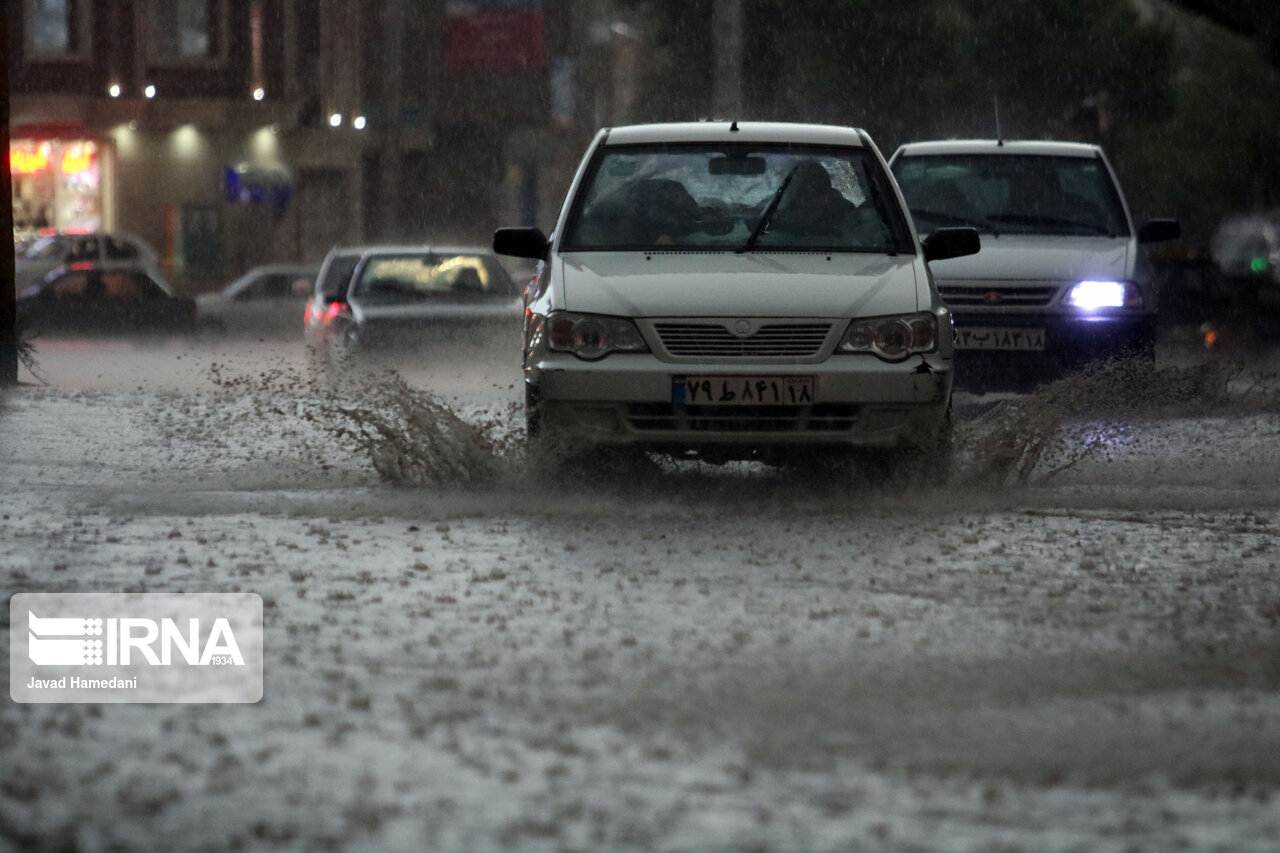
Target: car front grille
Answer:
pixel 666 417
pixel 980 296
pixel 714 340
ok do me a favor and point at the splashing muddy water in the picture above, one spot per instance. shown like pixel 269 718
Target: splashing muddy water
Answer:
pixel 410 436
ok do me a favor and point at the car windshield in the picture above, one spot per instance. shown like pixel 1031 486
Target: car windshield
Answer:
pixel 740 198
pixel 1011 194
pixel 395 278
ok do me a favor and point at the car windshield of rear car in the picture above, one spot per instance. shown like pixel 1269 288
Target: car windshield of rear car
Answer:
pixel 414 277
pixel 736 198
pixel 1012 194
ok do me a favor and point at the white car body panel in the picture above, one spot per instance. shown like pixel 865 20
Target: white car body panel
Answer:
pixel 685 284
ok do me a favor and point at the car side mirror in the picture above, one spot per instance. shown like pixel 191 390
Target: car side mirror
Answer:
pixel 951 243
pixel 1159 231
pixel 521 243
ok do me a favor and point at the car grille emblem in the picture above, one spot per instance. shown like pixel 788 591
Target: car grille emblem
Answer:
pixel 992 297
pixel 742 328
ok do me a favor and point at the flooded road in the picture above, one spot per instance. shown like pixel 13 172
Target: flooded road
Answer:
pixel 1076 650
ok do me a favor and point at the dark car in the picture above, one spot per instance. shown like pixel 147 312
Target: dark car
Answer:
pixel 385 296
pixel 105 298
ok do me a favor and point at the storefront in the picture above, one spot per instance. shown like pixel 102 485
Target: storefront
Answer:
pixel 59 184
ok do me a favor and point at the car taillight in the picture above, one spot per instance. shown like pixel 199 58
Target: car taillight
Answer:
pixel 335 308
pixel 306 315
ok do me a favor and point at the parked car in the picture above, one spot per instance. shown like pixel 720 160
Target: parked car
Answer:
pixel 47 253
pixel 265 300
pixel 109 297
pixel 738 290
pixel 375 297
pixel 1063 277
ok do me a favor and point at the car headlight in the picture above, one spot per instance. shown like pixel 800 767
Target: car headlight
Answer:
pixel 892 338
pixel 1101 295
pixel 592 336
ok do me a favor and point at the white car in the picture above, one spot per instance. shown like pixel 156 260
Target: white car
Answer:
pixel 1063 277
pixel 736 290
pixel 52 251
pixel 267 299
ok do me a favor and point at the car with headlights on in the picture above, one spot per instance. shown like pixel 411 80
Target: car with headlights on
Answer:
pixel 1064 276
pixel 371 298
pixel 736 290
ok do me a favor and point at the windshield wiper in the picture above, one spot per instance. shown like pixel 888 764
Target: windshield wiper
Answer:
pixel 765 216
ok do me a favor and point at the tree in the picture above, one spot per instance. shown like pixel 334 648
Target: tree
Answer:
pixel 8 296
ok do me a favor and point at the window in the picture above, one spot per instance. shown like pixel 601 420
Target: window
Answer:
pixel 736 196
pixel 71 286
pixel 1012 194
pixel 57 29
pixel 120 250
pixel 188 31
pixel 82 249
pixel 392 278
pixel 128 286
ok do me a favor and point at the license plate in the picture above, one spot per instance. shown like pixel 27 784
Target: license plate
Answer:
pixel 742 390
pixel 999 338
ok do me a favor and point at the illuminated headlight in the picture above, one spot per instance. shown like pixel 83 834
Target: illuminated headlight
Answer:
pixel 1100 295
pixel 592 336
pixel 892 338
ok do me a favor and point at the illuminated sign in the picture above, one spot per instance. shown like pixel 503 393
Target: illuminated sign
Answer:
pixel 34 160
pixel 24 161
pixel 77 159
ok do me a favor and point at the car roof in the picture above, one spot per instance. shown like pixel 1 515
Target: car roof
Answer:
pixel 263 269
pixel 725 131
pixel 411 249
pixel 1010 147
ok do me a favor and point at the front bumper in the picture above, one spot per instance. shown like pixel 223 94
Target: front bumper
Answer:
pixel 1070 342
pixel 627 399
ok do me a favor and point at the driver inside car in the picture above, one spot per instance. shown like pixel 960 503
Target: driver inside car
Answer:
pixel 813 212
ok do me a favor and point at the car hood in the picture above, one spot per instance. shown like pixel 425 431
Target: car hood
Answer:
pixel 1016 257
pixel 701 284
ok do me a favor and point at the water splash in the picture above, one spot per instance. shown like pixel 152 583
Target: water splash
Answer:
pixel 1092 412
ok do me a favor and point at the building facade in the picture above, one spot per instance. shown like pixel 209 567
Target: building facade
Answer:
pixel 234 132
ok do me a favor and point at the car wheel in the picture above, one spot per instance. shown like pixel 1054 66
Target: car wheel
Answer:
pixel 928 464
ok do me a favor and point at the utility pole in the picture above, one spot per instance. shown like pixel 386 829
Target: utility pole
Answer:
pixel 727 36
pixel 8 296
pixel 391 214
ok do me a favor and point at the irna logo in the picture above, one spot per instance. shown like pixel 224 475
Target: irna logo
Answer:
pixel 125 641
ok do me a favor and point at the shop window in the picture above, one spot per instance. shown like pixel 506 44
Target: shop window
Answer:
pixel 57 29
pixel 188 31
